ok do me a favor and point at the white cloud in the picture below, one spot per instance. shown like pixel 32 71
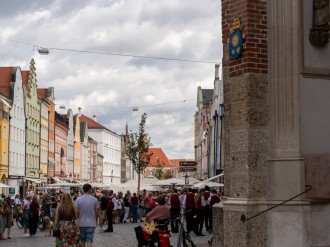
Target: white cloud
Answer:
pixel 183 29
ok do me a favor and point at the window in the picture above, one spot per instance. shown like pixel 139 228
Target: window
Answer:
pixel 4 132
pixel 4 160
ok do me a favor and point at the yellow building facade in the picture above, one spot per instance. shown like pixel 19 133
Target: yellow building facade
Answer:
pixel 4 138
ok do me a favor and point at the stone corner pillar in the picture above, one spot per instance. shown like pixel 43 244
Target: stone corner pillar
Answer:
pixel 246 123
pixel 262 161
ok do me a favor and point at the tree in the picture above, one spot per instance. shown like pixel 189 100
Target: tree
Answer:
pixel 138 149
pixel 168 174
pixel 159 170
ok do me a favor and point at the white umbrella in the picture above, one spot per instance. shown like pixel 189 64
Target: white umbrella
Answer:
pixel 176 181
pixel 98 185
pixel 116 187
pixel 3 185
pixel 150 187
pixel 210 184
pixel 64 185
pixel 130 183
pixel 149 180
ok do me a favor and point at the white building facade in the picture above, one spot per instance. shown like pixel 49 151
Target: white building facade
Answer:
pixel 17 130
pixel 109 146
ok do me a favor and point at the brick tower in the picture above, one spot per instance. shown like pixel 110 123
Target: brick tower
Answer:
pixel 276 72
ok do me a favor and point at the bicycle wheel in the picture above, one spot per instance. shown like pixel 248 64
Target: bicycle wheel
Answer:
pixel 187 242
pixel 19 221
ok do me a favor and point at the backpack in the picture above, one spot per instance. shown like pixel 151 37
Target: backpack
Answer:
pixel 110 205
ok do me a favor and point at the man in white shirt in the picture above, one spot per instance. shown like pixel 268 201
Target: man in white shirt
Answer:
pixel 87 208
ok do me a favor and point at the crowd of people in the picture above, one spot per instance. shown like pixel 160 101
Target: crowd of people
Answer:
pixel 77 216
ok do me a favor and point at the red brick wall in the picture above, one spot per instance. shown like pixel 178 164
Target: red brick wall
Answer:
pixel 253 17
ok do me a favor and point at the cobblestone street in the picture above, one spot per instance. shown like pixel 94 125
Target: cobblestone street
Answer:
pixel 123 236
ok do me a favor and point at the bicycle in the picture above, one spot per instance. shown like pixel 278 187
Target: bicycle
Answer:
pixel 19 218
pixel 184 237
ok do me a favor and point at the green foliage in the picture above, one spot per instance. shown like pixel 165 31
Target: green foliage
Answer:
pixel 168 175
pixel 159 171
pixel 137 149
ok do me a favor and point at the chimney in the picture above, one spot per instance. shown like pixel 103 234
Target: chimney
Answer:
pixel 217 71
pixel 79 111
pixel 94 118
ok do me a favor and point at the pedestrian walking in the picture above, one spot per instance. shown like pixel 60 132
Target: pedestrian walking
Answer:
pixel 127 207
pixel 135 207
pixel 147 202
pixel 103 212
pixel 53 204
pixel 206 195
pixel 8 217
pixel 87 209
pixel 175 210
pixel 199 204
pixel 189 206
pixel 66 220
pixel 26 212
pixel 111 202
pixel 34 215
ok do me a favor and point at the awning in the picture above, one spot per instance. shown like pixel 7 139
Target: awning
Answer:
pixel 34 180
pixel 57 179
pixel 217 176
pixel 3 185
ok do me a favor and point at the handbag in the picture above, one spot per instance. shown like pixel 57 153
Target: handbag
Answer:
pixel 56 232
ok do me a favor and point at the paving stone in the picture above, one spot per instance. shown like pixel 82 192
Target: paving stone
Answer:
pixel 123 236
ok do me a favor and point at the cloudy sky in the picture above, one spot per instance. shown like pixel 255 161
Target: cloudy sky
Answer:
pixel 109 86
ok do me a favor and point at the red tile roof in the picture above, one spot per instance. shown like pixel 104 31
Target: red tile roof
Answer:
pixel 158 154
pixel 25 78
pixel 42 93
pixel 91 123
pixel 5 79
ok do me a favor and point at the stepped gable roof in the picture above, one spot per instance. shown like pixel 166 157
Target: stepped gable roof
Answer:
pixel 158 154
pixel 177 161
pixel 92 124
pixel 207 95
pixel 5 80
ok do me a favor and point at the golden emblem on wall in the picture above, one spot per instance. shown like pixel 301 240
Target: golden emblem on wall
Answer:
pixel 236 39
